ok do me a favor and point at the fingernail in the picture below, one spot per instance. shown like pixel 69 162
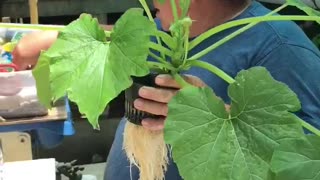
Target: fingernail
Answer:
pixel 160 79
pixel 137 103
pixel 144 91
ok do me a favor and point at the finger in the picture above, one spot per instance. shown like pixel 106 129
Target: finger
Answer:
pixel 152 107
pixel 153 124
pixel 157 94
pixel 167 80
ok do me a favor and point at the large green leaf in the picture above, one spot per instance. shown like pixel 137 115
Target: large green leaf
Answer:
pixel 302 6
pixel 42 73
pixel 92 70
pixel 298 159
pixel 210 143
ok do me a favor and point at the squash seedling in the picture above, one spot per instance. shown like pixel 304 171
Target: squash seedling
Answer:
pixel 259 138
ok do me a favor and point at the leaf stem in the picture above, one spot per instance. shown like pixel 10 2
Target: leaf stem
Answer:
pixel 228 25
pixel 180 80
pixel 160 48
pixel 107 33
pixel 253 21
pixel 160 66
pixel 147 10
pixel 213 69
pixel 153 55
pixel 174 10
pixel 309 127
pixel 186 43
pixel 167 39
pixel 234 34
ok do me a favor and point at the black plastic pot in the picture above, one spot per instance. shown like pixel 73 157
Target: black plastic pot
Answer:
pixel 132 114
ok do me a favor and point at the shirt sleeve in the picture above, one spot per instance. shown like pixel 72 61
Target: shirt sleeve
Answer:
pixel 299 68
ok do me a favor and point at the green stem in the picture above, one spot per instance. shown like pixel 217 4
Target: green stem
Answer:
pixel 180 80
pixel 159 59
pixel 160 66
pixel 212 69
pixel 186 43
pixel 160 49
pixel 253 21
pixel 147 10
pixel 236 33
pixel 174 10
pixel 107 33
pixel 167 39
pixel 310 127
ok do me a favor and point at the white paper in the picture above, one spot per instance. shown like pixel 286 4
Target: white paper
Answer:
pixel 42 169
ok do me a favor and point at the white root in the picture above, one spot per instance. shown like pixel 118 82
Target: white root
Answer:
pixel 147 150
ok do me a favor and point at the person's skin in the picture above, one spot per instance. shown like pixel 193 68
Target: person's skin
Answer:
pixel 210 13
pixel 27 51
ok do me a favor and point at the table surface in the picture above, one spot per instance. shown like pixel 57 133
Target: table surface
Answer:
pixel 55 114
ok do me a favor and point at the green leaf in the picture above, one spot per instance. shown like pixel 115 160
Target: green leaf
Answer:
pixel 210 143
pixel 41 73
pixel 302 6
pixel 92 70
pixel 298 159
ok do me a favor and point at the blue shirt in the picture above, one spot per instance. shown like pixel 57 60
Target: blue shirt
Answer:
pixel 280 46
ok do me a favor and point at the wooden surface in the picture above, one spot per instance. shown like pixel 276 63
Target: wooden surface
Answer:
pixel 55 114
pixel 33 8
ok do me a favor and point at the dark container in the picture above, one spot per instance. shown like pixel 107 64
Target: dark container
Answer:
pixel 132 114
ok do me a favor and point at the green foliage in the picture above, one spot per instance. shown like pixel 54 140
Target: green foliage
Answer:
pixel 97 70
pixel 209 142
pixel 297 159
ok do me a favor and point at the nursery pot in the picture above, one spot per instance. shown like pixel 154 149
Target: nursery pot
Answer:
pixel 132 114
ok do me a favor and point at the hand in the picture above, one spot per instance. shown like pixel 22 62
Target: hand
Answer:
pixel 155 100
pixel 27 51
pixel 10 85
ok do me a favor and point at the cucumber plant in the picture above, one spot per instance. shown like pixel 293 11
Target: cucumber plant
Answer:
pixel 259 138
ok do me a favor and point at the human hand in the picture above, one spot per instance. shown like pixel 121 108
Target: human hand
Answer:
pixel 27 51
pixel 154 100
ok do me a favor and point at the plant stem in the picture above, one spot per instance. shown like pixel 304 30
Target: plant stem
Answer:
pixel 167 39
pixel 159 59
pixel 310 127
pixel 186 43
pixel 160 66
pixel 160 49
pixel 180 80
pixel 236 33
pixel 147 10
pixel 253 21
pixel 107 33
pixel 174 10
pixel 213 69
